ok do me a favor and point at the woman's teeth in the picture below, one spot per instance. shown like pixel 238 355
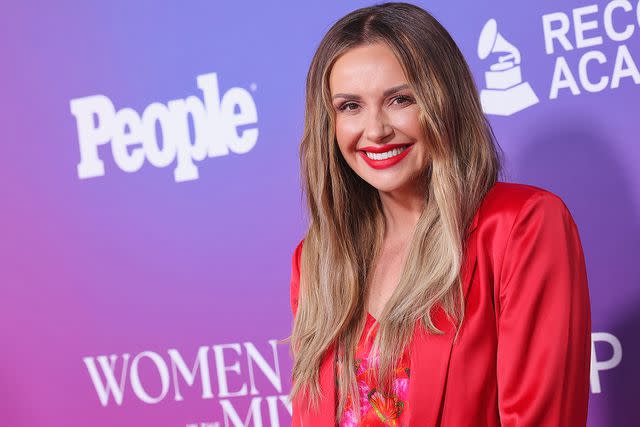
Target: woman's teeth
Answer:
pixel 386 155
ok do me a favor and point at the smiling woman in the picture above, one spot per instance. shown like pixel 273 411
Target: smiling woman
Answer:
pixel 426 292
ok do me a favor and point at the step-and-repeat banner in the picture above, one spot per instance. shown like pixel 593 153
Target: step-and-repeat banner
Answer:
pixel 150 194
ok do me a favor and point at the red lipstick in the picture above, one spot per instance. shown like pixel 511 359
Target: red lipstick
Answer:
pixel 385 163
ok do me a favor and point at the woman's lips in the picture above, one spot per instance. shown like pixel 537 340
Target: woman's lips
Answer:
pixel 386 163
pixel 384 148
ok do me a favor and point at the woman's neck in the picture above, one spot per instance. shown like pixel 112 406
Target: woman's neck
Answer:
pixel 402 209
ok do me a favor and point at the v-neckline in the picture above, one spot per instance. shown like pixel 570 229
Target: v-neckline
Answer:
pixel 370 316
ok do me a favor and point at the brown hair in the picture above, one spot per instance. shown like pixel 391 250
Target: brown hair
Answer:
pixel 346 222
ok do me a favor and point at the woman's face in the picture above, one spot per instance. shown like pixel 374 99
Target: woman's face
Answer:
pixel 377 126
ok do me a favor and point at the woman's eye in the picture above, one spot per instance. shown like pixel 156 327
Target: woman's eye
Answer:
pixel 406 99
pixel 346 105
pixel 351 106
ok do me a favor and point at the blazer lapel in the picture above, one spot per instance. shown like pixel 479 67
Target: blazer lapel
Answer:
pixel 430 353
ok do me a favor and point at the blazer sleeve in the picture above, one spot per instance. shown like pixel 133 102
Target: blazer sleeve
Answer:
pixel 294 292
pixel 544 320
pixel 295 277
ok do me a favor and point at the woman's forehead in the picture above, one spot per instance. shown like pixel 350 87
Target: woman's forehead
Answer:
pixel 371 68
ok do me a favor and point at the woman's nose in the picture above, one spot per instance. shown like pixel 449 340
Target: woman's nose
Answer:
pixel 378 127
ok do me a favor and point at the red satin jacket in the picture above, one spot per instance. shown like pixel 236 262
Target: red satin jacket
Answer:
pixel 522 356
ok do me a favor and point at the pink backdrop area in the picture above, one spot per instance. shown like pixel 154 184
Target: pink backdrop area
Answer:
pixel 151 199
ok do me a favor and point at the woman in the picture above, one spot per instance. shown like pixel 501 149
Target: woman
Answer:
pixel 426 292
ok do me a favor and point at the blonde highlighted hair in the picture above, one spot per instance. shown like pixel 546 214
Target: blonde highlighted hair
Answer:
pixel 346 222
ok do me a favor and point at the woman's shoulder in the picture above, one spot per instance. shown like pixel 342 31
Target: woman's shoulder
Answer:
pixel 526 230
pixel 513 218
pixel 505 202
pixel 295 276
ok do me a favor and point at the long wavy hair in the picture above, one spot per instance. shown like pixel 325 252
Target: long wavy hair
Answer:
pixel 346 220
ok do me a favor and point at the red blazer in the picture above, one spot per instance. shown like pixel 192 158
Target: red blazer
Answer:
pixel 522 356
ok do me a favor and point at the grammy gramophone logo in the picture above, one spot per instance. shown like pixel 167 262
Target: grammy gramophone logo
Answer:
pixel 505 91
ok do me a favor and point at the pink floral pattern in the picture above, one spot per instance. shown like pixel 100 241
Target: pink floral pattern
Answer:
pixel 377 408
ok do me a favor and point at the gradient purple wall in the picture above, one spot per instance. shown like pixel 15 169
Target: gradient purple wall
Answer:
pixel 135 263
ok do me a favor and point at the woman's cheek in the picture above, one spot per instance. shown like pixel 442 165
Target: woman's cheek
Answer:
pixel 347 139
pixel 407 120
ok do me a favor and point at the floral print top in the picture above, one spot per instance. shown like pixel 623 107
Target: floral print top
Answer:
pixel 377 408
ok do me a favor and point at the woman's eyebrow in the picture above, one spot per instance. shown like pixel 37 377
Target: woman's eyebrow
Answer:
pixel 387 92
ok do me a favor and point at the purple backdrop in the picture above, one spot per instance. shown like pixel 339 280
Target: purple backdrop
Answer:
pixel 146 251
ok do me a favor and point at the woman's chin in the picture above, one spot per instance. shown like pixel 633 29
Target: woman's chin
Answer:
pixel 388 187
